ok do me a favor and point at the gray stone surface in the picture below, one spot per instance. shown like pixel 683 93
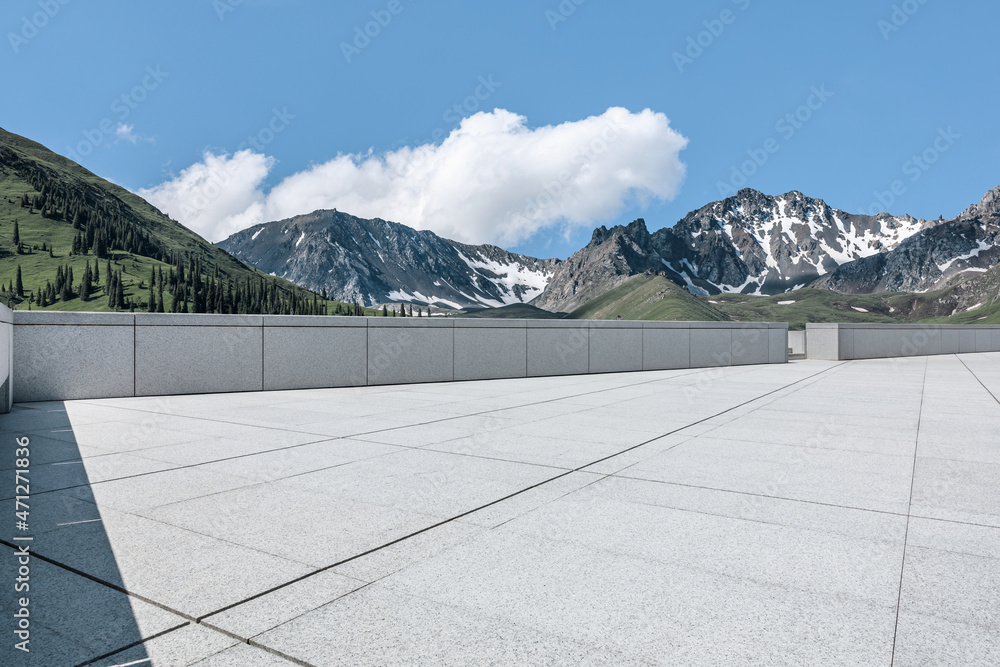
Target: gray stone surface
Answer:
pixel 406 355
pixel 711 347
pixel 752 346
pixel 314 357
pixel 616 350
pixel 888 341
pixel 57 362
pixel 736 515
pixel 823 341
pixel 796 342
pixel 184 359
pixel 6 358
pixel 664 349
pixel 951 341
pixel 559 349
pixel 489 353
pixel 223 353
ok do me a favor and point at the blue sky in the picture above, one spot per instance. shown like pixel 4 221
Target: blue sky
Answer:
pixel 896 80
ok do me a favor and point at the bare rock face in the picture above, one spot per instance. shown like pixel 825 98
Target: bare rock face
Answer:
pixel 934 258
pixel 750 243
pixel 375 261
pixel 612 257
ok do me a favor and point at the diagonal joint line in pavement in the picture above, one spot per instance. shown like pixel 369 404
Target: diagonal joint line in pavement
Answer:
pixel 909 509
pixel 500 500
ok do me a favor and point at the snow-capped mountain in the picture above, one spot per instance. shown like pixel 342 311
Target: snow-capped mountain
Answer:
pixel 750 243
pixel 930 259
pixel 758 244
pixel 375 261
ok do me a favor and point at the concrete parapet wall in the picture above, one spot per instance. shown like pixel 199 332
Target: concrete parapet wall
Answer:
pixel 61 356
pixel 6 358
pixel 844 342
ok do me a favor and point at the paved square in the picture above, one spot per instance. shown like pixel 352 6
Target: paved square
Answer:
pixel 814 513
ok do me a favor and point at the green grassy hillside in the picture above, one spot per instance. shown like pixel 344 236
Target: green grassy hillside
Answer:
pixel 517 311
pixel 649 297
pixel 67 204
pixel 973 300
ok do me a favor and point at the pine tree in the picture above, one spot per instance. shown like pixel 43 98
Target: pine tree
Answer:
pixel 17 236
pixel 18 285
pixel 85 284
pixel 108 275
pixel 119 294
pixel 385 311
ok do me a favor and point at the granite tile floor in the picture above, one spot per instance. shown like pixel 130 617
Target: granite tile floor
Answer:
pixel 814 513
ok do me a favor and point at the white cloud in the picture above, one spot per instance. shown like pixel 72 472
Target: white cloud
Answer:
pixel 216 197
pixel 125 132
pixel 493 179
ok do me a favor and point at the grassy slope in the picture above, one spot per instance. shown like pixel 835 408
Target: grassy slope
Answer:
pixel 656 298
pixel 517 311
pixel 648 297
pixel 38 267
pixel 810 305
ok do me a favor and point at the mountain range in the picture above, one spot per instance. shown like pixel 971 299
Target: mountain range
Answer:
pixel 750 243
pixel 376 262
pixel 750 256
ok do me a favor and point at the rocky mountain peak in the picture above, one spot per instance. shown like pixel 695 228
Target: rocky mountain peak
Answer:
pixel 988 207
pixel 635 231
pixel 376 261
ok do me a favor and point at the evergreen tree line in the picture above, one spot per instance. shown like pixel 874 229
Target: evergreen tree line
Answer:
pixel 106 224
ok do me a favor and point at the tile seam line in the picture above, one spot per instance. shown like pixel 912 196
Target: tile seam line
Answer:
pixel 988 390
pixel 180 467
pixel 647 480
pixel 97 580
pixel 436 421
pixel 436 525
pixel 492 503
pixel 909 508
pixel 133 645
pixel 356 436
pixel 832 370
